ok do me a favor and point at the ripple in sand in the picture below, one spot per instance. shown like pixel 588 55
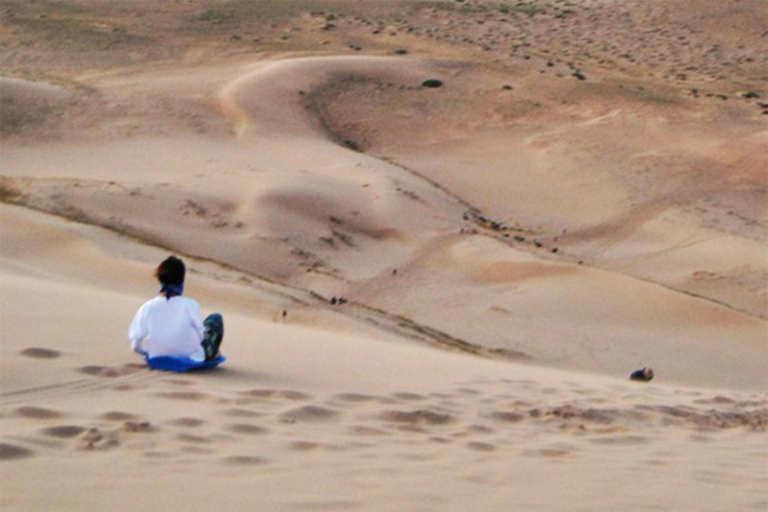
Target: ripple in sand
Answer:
pixel 422 416
pixel 309 413
pixel 13 452
pixel 40 353
pixel 38 413
pixel 64 431
pixel 248 429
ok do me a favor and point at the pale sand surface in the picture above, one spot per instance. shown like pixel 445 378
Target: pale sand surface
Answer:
pixel 512 244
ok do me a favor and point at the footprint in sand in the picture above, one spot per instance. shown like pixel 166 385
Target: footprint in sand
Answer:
pixel 244 460
pixel 38 413
pixel 309 413
pixel 285 394
pixel 40 353
pixel 111 371
pixel 357 398
pixel 186 422
pixel 241 413
pixel 418 417
pixel 305 446
pixel 507 416
pixel 481 447
pixel 248 429
pixel 118 416
pixel 13 452
pixel 408 396
pixel 190 438
pixel 183 395
pixel 64 431
pixel 364 430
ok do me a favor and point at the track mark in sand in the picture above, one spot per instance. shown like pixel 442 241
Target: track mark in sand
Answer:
pixel 65 431
pixel 13 452
pixel 118 378
pixel 183 395
pixel 244 460
pixel 40 353
pixel 38 413
pixel 248 429
pixel 309 413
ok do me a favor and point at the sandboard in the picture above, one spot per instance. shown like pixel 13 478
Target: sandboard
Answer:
pixel 182 363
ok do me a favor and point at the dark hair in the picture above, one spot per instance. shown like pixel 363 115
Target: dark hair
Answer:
pixel 171 271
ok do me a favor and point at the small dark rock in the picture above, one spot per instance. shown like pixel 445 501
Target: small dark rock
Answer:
pixel 506 87
pixel 432 83
pixel 750 95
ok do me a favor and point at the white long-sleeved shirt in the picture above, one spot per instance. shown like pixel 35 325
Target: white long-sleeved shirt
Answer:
pixel 168 327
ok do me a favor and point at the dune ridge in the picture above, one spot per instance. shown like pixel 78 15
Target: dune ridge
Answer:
pixel 433 296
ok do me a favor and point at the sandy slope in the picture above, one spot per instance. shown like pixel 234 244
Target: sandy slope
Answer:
pixel 309 414
pixel 547 234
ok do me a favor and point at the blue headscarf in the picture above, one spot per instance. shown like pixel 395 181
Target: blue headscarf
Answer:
pixel 172 290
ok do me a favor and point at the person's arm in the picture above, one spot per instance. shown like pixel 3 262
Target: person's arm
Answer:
pixel 137 332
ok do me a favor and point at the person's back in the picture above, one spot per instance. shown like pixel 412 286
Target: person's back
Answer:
pixel 169 324
pixel 170 327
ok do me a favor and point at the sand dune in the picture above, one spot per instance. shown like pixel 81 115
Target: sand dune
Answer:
pixel 583 195
pixel 324 419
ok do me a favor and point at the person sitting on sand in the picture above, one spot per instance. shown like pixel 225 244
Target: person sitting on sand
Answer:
pixel 169 324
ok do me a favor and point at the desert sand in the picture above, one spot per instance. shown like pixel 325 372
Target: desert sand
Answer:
pixel 584 194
